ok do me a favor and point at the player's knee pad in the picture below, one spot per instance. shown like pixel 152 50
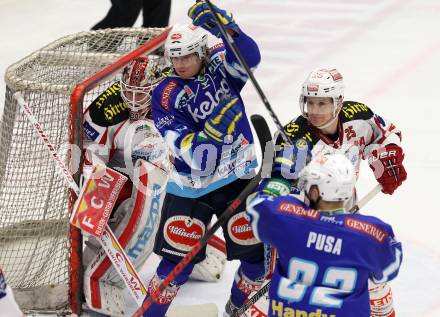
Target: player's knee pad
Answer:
pixel 381 300
pixel 135 224
pixel 248 278
pixel 183 222
pixel 212 267
pixel 241 243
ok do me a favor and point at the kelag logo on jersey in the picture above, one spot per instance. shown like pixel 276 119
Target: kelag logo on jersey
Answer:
pixel 108 108
pixel 202 107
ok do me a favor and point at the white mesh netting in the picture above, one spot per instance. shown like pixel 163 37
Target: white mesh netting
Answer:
pixel 35 243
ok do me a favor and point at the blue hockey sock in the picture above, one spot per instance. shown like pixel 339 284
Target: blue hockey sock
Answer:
pixel 160 306
pixel 248 278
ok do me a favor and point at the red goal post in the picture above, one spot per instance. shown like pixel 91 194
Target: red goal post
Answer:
pixel 41 254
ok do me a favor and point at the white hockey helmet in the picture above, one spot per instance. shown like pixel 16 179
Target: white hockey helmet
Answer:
pixel 322 83
pixel 332 173
pixel 139 78
pixel 186 39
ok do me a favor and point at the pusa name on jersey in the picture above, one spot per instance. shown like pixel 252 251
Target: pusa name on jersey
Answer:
pixel 180 109
pixel 325 261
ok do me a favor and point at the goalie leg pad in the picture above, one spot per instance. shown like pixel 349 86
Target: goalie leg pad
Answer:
pixel 102 297
pixel 135 223
pixel 212 267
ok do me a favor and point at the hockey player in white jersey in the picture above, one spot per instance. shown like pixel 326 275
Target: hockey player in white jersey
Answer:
pixel 8 306
pixel 331 125
pixel 119 133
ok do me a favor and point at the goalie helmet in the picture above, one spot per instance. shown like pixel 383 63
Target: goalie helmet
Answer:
pixel 322 83
pixel 139 78
pixel 332 173
pixel 186 39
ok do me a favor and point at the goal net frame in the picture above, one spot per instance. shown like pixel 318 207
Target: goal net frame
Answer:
pixel 24 234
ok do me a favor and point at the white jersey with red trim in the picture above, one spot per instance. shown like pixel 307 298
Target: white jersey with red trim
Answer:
pixel 360 131
pixel 121 144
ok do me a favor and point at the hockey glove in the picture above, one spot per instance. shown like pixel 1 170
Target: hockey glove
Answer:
pixel 291 160
pixel 223 119
pixel 276 187
pixel 387 166
pixel 203 17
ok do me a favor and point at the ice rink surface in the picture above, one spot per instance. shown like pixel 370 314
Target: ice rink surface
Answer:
pixel 389 54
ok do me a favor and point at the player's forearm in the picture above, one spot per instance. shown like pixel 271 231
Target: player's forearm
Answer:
pixel 247 46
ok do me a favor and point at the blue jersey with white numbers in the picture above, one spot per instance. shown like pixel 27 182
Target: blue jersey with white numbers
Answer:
pixel 325 260
pixel 180 108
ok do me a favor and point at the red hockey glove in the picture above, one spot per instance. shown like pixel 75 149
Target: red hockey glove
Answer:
pixel 387 166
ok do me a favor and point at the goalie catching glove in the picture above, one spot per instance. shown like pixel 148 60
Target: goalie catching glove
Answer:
pixel 203 17
pixel 387 166
pixel 223 119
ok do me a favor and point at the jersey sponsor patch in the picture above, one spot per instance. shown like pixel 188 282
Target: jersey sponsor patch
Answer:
pixel 296 210
pixel 90 132
pixel 108 108
pixel 373 231
pixel 183 232
pixel 355 111
pixel 240 230
pixel 166 94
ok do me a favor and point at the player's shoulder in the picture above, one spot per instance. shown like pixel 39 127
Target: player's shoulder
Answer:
pixel 354 110
pixel 216 50
pixel 108 109
pixel 166 92
pixel 369 226
pixel 298 128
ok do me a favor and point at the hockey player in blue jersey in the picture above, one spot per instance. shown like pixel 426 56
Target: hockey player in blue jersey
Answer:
pixel 198 110
pixel 326 256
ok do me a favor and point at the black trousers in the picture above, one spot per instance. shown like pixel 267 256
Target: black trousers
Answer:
pixel 123 13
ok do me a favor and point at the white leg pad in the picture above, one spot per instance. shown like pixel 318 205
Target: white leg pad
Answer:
pixel 212 267
pixel 111 298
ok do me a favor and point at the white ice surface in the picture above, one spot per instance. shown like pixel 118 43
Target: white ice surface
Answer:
pixel 389 54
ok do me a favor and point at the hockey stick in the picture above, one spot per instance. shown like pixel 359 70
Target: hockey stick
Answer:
pixel 108 241
pixel 265 288
pixel 249 73
pixel 264 136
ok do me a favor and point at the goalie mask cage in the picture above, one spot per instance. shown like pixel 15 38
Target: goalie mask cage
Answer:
pixel 40 252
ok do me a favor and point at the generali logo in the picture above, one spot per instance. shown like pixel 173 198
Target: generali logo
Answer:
pixel 240 230
pixel 182 232
pixel 297 210
pixel 362 226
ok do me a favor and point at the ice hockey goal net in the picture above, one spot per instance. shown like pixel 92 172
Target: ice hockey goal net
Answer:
pixel 40 252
